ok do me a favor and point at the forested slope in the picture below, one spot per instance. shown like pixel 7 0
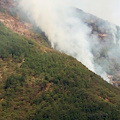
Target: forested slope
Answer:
pixel 39 83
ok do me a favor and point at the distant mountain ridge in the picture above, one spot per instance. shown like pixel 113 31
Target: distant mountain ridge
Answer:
pixel 107 40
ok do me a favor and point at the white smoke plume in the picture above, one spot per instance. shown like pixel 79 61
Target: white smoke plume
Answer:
pixel 64 28
pixel 65 31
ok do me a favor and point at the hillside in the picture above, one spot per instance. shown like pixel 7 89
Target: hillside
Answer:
pixel 39 83
pixel 10 17
pixel 107 38
pixel 106 55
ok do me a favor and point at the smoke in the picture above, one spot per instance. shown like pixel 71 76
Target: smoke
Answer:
pixel 66 29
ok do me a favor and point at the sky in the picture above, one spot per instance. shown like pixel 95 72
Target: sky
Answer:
pixel 106 9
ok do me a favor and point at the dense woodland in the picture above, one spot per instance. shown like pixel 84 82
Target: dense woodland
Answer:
pixel 39 83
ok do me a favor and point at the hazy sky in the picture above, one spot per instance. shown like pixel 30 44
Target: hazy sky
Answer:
pixel 105 9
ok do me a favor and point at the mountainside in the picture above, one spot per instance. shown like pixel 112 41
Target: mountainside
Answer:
pixel 5 5
pixel 40 83
pixel 106 35
pixel 10 18
pixel 106 45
